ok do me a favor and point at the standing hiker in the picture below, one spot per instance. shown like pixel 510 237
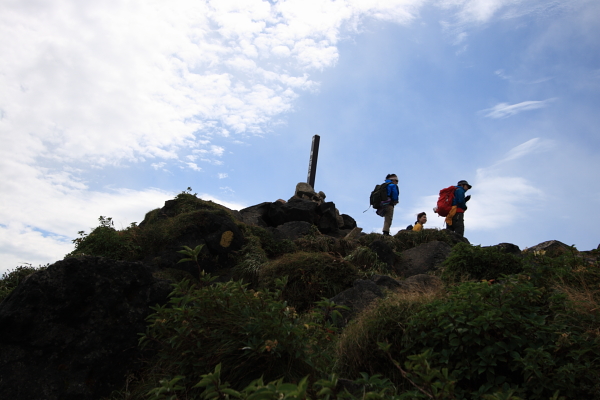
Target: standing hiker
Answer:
pixel 455 219
pixel 387 207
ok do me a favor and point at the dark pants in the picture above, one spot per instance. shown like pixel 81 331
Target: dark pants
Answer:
pixel 458 224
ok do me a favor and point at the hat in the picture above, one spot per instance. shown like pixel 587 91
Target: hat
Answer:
pixel 463 182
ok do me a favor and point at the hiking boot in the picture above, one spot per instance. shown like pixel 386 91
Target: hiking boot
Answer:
pixel 386 233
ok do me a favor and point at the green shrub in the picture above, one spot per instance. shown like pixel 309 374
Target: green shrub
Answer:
pixel 404 240
pixel 250 259
pixel 357 350
pixel 467 262
pixel 251 334
pixel 271 246
pixel 367 261
pixel 106 241
pixel 510 336
pixel 311 276
pixel 11 279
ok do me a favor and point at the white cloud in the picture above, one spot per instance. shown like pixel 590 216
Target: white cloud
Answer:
pixel 504 110
pixel 498 199
pixel 193 166
pixel 223 175
pixel 91 84
pixel 158 165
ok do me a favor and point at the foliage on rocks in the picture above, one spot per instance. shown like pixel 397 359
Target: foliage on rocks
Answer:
pixel 509 335
pixel 11 279
pixel 357 350
pixel 270 246
pixel 468 262
pixel 153 234
pixel 404 240
pixel 367 261
pixel 311 276
pixel 246 333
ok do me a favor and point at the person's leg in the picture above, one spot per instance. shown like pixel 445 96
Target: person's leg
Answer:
pixel 387 219
pixel 458 223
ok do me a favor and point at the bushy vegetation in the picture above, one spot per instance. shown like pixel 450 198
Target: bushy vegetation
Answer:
pixel 311 276
pixel 11 279
pixel 504 326
pixel 247 333
pixel 153 234
pixel 267 242
pixel 468 262
pixel 404 240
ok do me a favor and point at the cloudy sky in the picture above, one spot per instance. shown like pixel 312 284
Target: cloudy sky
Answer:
pixel 112 107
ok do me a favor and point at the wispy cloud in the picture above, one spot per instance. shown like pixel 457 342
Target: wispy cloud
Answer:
pixel 504 110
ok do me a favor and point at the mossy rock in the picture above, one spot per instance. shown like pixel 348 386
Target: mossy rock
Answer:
pixel 311 276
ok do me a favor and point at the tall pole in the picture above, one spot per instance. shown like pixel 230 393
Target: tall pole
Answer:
pixel 312 163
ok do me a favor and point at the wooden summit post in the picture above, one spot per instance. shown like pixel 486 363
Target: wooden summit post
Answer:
pixel 312 163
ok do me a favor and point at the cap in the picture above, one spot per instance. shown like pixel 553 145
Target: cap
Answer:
pixel 463 182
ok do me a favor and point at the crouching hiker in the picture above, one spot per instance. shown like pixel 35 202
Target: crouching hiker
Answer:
pixel 421 220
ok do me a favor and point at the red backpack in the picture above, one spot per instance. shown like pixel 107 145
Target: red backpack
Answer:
pixel 444 203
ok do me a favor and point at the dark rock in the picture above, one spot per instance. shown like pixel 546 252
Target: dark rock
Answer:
pixel 385 281
pixel 455 238
pixel 384 252
pixel 294 210
pixel 327 218
pixel 255 215
pixel 551 248
pixel 357 298
pixel 423 258
pixel 220 235
pixel 349 222
pixel 291 230
pixel 508 248
pixel 71 331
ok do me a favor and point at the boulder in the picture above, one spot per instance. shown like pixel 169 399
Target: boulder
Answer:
pixel 386 282
pixel 349 222
pixel 71 331
pixel 423 258
pixel 357 298
pixel 508 248
pixel 219 234
pixel 255 215
pixel 327 218
pixel 384 252
pixel 291 230
pixel 294 210
pixel 551 248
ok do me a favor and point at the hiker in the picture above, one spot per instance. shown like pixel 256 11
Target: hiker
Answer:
pixel 455 218
pixel 421 220
pixel 387 207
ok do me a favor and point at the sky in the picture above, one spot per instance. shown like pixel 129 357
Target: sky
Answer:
pixel 110 108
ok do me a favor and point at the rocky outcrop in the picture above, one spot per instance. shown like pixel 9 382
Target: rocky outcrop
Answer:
pixel 384 252
pixel 217 232
pixel 551 248
pixel 357 298
pixel 291 230
pixel 423 258
pixel 507 248
pixel 323 215
pixel 71 331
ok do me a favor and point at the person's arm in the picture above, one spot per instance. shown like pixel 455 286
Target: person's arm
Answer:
pixel 459 196
pixel 393 193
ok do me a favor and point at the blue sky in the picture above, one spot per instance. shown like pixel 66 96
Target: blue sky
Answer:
pixel 111 109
